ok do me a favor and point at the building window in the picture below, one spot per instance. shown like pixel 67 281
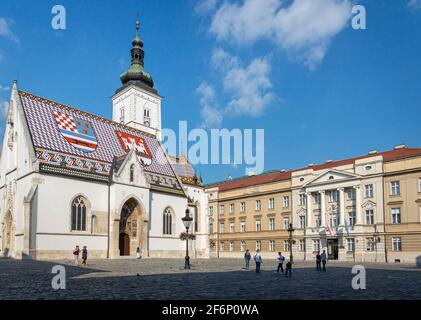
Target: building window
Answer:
pixel 271 245
pixel 351 194
pixel 271 224
pixel 350 245
pixel 370 244
pixel 334 220
pixel 222 248
pixel 79 214
pixel 352 218
pixel 258 225
pixel 369 191
pixel 211 211
pixel 302 200
pixel 242 226
pixel 147 117
pixel 231 246
pixel 258 245
pixel 221 227
pixel 302 222
pixel 317 198
pixel 243 207
pixel 286 223
pixel 395 188
pixel 231 208
pixel 122 115
pixel 318 221
pixel 396 244
pixel 369 217
pixel 167 221
pixel 271 203
pixel 132 173
pixel 211 228
pixel 302 245
pixel 258 205
pixel 334 196
pixel 243 246
pixel 286 245
pixel 286 201
pixel 221 209
pixel 316 245
pixel 396 215
pixel 419 185
pixel 232 227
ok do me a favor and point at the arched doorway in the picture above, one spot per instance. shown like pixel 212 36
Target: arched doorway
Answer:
pixel 132 228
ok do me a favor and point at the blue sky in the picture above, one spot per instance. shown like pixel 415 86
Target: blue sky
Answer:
pixel 296 68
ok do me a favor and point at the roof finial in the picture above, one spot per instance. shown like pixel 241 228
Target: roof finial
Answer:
pixel 137 25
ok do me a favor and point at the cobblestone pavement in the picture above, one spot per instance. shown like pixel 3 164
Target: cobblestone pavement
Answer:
pixel 208 279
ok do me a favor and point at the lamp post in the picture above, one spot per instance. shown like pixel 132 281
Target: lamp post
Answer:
pixel 290 231
pixel 187 221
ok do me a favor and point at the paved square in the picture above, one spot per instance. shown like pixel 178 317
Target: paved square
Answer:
pixel 208 279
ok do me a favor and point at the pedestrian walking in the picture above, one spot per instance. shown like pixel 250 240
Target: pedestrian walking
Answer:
pixel 138 253
pixel 323 256
pixel 84 255
pixel 247 258
pixel 76 253
pixel 258 259
pixel 318 261
pixel 288 269
pixel 281 260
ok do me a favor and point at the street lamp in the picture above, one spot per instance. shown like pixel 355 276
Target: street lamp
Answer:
pixel 187 221
pixel 290 231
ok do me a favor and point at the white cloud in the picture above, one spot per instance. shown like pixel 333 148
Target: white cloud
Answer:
pixel 249 87
pixel 304 28
pixel 4 106
pixel 205 6
pixel 414 4
pixel 3 88
pixel 210 113
pixel 6 31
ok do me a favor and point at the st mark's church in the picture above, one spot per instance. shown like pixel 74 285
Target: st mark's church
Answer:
pixel 68 177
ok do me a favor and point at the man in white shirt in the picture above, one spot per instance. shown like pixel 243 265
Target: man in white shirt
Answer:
pixel 258 259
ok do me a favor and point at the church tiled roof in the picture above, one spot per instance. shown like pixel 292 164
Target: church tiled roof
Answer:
pixel 53 146
pixel 185 170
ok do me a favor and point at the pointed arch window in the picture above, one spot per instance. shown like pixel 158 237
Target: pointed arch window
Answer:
pixel 167 221
pixel 79 214
pixel 132 173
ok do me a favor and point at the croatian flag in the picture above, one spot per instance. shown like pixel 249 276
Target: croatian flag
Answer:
pixel 78 132
pixel 347 227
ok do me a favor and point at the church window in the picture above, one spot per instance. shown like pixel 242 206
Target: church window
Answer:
pixel 79 214
pixel 132 173
pixel 167 221
pixel 122 115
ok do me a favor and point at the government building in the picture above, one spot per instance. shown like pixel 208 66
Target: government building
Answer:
pixel 68 177
pixel 365 209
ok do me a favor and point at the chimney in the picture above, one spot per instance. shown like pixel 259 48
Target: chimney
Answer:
pixel 400 146
pixel 283 170
pixel 372 151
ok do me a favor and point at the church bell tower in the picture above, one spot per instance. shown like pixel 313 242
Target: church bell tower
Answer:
pixel 137 103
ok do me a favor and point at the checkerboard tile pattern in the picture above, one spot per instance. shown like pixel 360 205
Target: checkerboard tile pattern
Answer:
pixel 41 115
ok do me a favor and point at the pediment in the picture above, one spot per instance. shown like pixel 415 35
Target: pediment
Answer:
pixel 301 211
pixel 368 205
pixel 331 176
pixel 123 172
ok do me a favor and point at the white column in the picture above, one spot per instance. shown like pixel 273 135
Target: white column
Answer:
pixel 358 205
pixel 341 206
pixel 322 208
pixel 309 222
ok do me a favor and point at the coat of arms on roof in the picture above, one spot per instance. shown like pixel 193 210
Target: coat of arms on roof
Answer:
pixel 129 141
pixel 78 132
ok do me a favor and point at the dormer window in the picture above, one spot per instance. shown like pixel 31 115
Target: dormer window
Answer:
pixel 331 177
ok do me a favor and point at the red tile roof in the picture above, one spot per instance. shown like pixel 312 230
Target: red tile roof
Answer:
pixel 274 176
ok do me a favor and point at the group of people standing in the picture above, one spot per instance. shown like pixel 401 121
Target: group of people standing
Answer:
pixel 76 253
pixel 321 259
